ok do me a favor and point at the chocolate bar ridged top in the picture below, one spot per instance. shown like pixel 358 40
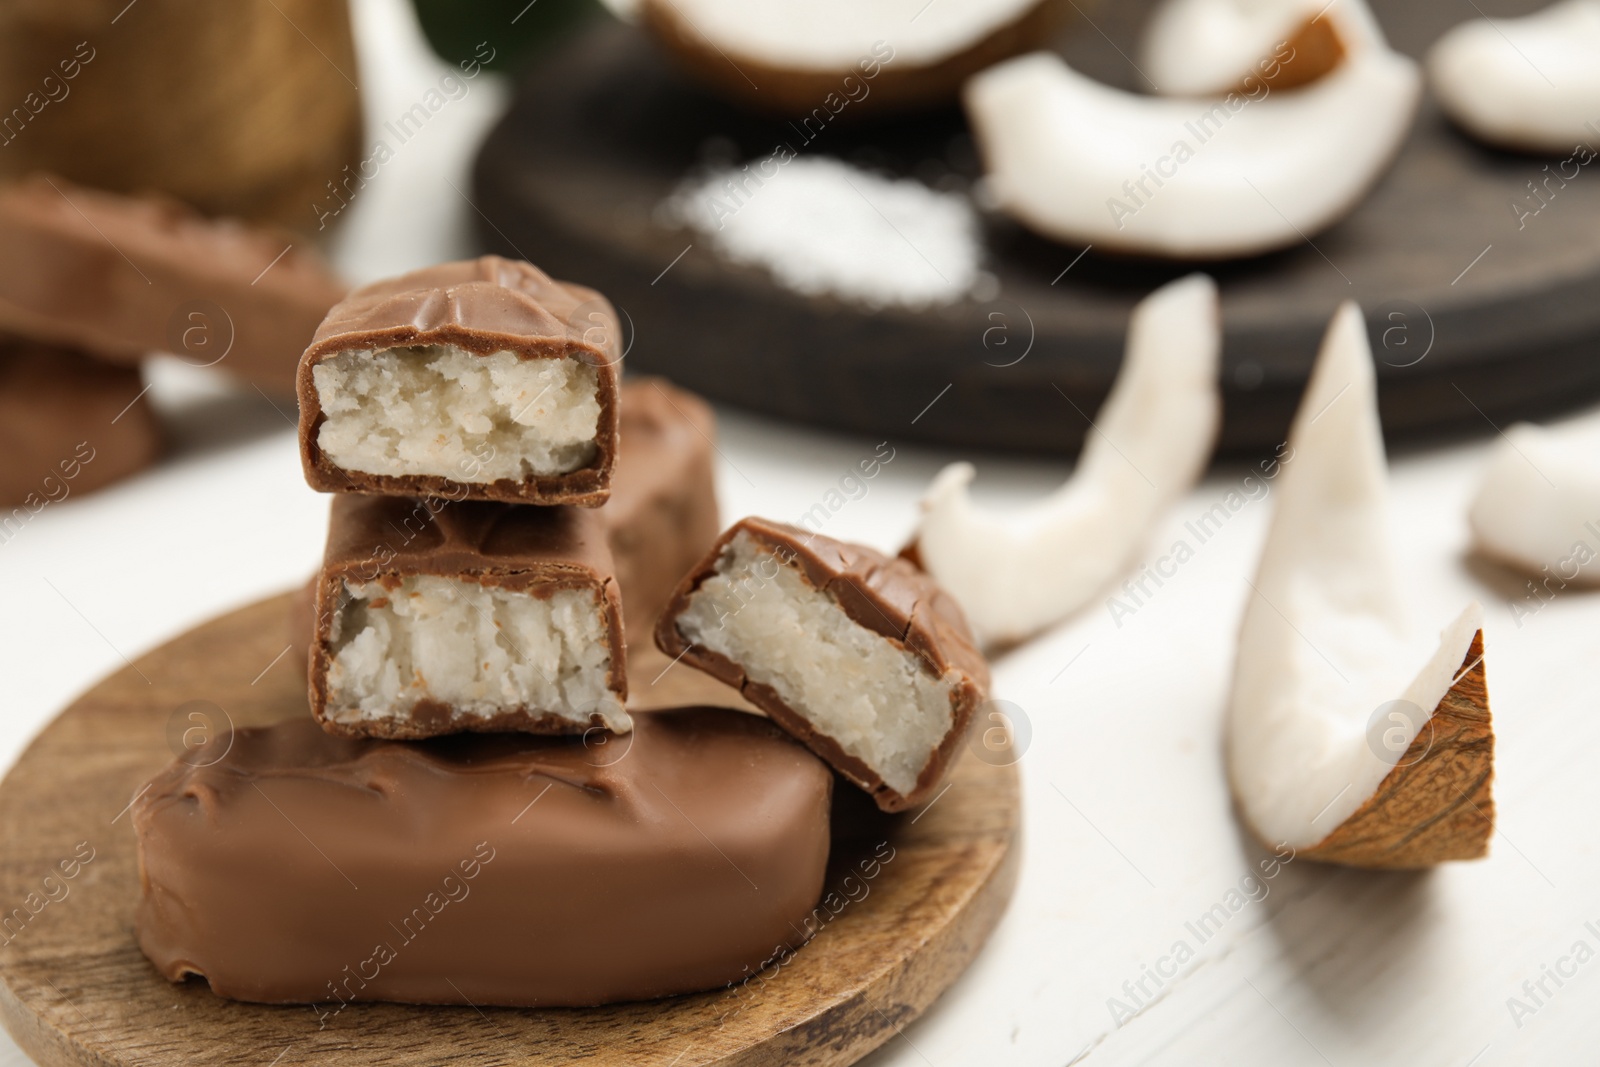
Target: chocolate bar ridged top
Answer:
pixel 123 276
pixel 483 305
pixel 661 863
pixel 405 535
pixel 885 594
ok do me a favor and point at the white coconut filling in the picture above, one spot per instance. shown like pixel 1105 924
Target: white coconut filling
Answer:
pixel 877 701
pixel 478 649
pixel 443 411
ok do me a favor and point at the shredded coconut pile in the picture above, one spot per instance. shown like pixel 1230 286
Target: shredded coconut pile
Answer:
pixel 822 226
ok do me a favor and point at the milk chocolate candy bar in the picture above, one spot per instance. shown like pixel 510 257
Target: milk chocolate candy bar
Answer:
pixel 662 515
pixel 487 869
pixel 483 380
pixel 69 424
pixel 436 617
pixel 123 276
pixel 860 655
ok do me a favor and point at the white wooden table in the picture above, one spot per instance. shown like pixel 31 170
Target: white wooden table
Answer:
pixel 1130 837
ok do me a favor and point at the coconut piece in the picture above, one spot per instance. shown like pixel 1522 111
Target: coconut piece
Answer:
pixel 1207 47
pixel 826 58
pixel 1538 505
pixel 1338 746
pixel 1531 83
pixel 1015 574
pixel 1228 176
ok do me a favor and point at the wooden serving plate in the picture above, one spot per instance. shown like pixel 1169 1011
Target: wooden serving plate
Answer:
pixel 75 989
pixel 602 132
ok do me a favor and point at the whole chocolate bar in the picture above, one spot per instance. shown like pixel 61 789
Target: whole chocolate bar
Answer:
pixel 662 515
pixel 69 424
pixel 436 617
pixel 504 869
pixel 860 655
pixel 484 380
pixel 123 276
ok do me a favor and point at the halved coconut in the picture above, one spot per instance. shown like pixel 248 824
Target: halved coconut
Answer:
pixel 1016 574
pixel 1531 83
pixel 823 58
pixel 1231 176
pixel 1538 506
pixel 1339 746
pixel 1209 47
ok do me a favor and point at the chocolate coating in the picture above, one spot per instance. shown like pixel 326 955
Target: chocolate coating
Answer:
pixel 886 595
pixel 507 869
pixel 662 515
pixel 529 550
pixel 123 276
pixel 483 305
pixel 69 424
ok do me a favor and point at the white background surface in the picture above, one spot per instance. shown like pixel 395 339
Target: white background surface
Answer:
pixel 1129 833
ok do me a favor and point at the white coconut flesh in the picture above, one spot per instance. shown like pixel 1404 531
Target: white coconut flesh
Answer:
pixel 1325 643
pixel 1530 82
pixel 1206 47
pixel 1538 505
pixel 836 35
pixel 1231 176
pixel 1015 574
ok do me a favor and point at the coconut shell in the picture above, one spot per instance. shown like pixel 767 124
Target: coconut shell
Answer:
pixel 1436 804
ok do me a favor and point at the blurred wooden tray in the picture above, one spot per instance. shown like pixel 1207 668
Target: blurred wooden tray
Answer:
pixel 75 989
pixel 600 133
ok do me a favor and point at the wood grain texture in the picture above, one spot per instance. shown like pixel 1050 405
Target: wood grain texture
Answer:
pixel 75 990
pixel 602 133
pixel 1437 804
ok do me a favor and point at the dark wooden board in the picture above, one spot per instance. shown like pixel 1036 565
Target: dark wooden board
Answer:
pixel 75 990
pixel 601 132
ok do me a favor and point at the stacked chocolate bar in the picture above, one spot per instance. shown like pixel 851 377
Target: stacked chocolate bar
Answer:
pixel 505 513
pixel 470 434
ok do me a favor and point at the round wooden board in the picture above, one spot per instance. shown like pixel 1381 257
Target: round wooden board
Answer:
pixel 600 134
pixel 75 990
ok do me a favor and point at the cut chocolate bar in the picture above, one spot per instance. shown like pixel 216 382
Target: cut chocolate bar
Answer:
pixel 483 380
pixel 507 870
pixel 662 515
pixel 124 276
pixel 69 424
pixel 858 654
pixel 436 617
